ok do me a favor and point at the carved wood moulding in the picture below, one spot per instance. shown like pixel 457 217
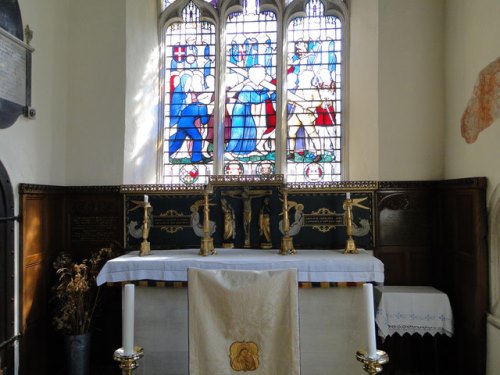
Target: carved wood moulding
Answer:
pixel 402 201
pixel 35 188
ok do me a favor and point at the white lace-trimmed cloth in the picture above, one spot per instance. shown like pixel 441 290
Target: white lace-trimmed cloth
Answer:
pixel 412 309
pixel 243 322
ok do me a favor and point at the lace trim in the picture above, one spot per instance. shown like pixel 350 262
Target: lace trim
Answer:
pixel 414 323
pixel 401 329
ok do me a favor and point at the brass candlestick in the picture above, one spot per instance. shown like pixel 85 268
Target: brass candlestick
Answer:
pixel 145 245
pixel 372 365
pixel 128 363
pixel 350 246
pixel 286 240
pixel 207 242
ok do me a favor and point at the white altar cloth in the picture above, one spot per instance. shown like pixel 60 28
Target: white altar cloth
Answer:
pixel 311 265
pixel 412 309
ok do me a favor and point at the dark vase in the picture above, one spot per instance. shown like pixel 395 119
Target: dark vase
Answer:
pixel 78 354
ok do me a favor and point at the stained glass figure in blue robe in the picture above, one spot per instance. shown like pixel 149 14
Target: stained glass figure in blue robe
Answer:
pixel 186 128
pixel 243 129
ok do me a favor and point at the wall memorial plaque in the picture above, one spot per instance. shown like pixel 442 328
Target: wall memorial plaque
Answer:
pixel 15 66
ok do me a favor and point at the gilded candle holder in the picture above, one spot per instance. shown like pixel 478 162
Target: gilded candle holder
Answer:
pixel 128 363
pixel 145 245
pixel 350 245
pixel 286 241
pixel 207 242
pixel 372 366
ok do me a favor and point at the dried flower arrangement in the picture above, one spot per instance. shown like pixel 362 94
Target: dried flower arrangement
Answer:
pixel 76 291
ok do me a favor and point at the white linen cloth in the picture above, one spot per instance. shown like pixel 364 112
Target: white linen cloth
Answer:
pixel 243 321
pixel 412 309
pixel 312 265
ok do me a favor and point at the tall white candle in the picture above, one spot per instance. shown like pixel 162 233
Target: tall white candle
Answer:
pixel 128 318
pixel 370 319
pixel 347 195
pixel 146 199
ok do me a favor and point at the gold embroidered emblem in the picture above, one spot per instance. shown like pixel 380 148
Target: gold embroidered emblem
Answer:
pixel 244 356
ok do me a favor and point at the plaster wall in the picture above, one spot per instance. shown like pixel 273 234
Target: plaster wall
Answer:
pixel 141 95
pixel 96 96
pixel 410 90
pixel 34 151
pixel 471 37
pixel 362 131
pixel 472 42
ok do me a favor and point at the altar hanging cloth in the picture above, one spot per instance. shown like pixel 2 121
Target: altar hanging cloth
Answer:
pixel 311 265
pixel 243 322
pixel 412 309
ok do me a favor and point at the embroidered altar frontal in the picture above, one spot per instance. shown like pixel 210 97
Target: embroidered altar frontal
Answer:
pixel 243 321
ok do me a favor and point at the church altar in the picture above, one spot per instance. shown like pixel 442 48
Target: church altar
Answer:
pixel 331 316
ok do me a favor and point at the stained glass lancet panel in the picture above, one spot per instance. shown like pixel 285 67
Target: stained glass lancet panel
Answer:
pixel 189 98
pixel 250 108
pixel 166 3
pixel 314 92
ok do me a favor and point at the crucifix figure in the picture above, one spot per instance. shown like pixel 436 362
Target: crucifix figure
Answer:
pixel 246 195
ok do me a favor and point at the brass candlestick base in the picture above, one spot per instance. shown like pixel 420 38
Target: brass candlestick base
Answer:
pixel 287 246
pixel 207 247
pixel 145 248
pixel 128 363
pixel 350 246
pixel 372 365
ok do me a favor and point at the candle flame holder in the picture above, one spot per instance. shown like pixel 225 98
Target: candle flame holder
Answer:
pixel 128 363
pixel 372 366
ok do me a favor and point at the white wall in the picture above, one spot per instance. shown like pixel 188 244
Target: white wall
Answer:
pixel 471 36
pixel 140 152
pixel 472 42
pixel 410 91
pixel 363 127
pixel 96 104
pixel 33 151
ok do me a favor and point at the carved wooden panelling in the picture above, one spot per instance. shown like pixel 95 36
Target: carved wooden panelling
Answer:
pixel 463 248
pixel 405 218
pixel 406 226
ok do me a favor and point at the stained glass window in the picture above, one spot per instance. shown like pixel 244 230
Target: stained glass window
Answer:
pixel 166 3
pixel 314 96
pixel 250 118
pixel 246 129
pixel 189 98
